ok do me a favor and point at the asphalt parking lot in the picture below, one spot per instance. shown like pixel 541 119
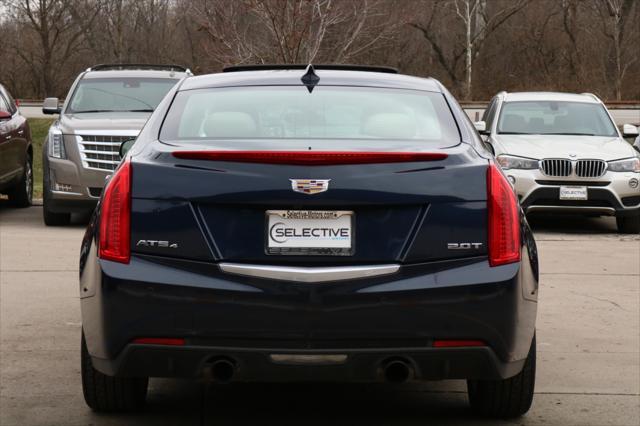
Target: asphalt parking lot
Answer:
pixel 588 345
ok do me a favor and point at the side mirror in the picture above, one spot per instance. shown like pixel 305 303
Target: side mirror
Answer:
pixel 636 144
pixel 629 131
pixel 50 106
pixel 126 146
pixel 4 115
pixel 481 127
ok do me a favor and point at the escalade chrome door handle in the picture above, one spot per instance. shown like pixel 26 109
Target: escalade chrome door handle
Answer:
pixel 21 132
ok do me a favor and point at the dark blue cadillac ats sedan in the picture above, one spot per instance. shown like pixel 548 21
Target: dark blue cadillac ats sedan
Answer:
pixel 286 224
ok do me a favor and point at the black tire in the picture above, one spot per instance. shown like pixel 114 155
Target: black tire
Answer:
pixel 51 218
pixel 506 398
pixel 55 219
pixel 110 394
pixel 22 195
pixel 628 224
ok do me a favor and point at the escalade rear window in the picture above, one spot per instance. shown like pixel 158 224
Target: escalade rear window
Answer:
pixel 291 112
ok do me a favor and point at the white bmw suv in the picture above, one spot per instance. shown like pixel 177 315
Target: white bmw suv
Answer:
pixel 563 153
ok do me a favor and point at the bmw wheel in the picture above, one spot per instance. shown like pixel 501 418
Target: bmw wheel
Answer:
pixel 628 224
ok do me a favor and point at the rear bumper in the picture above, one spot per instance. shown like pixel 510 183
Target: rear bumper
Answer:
pixel 257 364
pixel 248 319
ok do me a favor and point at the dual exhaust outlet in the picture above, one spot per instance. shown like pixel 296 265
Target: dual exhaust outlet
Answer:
pixel 222 370
pixel 397 370
pixel 392 370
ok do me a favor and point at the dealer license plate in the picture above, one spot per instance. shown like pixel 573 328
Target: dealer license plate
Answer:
pixel 573 193
pixel 310 232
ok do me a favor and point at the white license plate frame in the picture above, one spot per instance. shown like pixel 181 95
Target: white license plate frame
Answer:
pixel 310 232
pixel 573 193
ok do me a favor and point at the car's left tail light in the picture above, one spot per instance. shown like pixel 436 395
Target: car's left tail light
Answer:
pixel 115 216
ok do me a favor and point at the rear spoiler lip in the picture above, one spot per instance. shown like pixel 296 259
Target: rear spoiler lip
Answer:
pixel 311 158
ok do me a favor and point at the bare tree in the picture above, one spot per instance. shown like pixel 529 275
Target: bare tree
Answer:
pixel 568 45
pixel 84 14
pixel 56 34
pixel 289 31
pixel 479 22
pixel 615 17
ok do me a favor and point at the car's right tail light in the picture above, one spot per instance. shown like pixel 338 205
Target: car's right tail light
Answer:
pixel 115 216
pixel 504 219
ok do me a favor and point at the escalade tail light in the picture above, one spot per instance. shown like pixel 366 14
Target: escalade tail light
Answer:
pixel 504 219
pixel 115 216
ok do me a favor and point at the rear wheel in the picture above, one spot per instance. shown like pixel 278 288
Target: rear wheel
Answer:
pixel 109 393
pixel 506 398
pixel 628 224
pixel 22 194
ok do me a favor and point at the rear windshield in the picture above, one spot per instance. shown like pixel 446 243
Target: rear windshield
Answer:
pixel 291 112
pixel 555 118
pixel 122 94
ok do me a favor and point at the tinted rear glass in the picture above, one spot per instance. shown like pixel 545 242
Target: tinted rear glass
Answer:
pixel 122 94
pixel 291 112
pixel 555 118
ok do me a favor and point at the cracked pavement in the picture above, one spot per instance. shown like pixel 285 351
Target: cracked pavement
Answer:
pixel 588 345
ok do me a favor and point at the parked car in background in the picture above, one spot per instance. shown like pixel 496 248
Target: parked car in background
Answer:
pixel 16 152
pixel 106 105
pixel 563 153
pixel 340 224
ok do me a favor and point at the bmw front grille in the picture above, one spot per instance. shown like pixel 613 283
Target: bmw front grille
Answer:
pixel 564 167
pixel 590 168
pixel 556 167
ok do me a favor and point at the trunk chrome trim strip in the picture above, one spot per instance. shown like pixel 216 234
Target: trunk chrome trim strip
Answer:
pixel 308 274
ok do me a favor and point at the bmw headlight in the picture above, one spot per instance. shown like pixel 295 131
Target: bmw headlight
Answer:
pixel 513 162
pixel 56 144
pixel 626 165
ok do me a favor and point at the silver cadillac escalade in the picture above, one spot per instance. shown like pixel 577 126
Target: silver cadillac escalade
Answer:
pixel 106 105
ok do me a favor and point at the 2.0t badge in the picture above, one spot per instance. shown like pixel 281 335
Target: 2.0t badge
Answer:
pixel 310 186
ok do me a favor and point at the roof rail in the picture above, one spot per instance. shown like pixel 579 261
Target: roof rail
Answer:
pixel 159 67
pixel 336 67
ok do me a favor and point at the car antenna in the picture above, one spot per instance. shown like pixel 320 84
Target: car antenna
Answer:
pixel 310 78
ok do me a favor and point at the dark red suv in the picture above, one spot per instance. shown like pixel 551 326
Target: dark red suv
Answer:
pixel 16 152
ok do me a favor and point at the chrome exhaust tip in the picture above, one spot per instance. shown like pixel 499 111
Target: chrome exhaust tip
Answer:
pixel 397 371
pixel 223 370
